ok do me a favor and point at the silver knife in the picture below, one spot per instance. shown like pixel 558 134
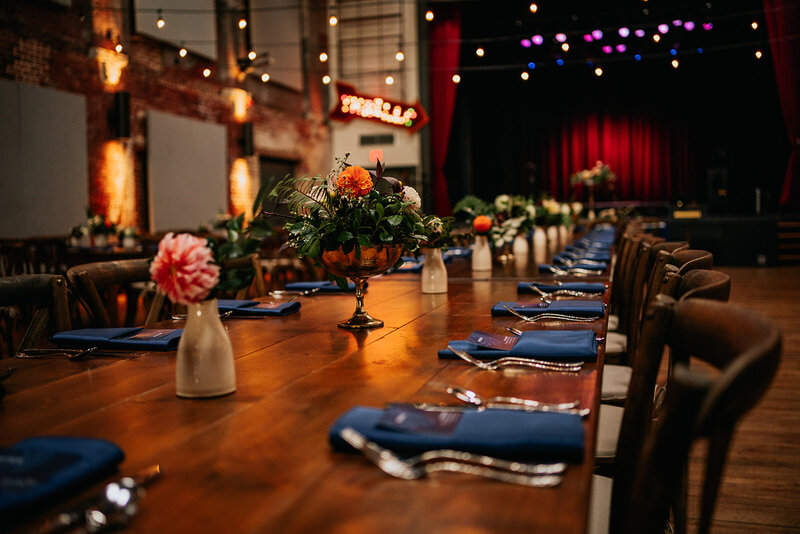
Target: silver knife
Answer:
pixel 74 516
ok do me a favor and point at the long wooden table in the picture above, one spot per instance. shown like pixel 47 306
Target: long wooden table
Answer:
pixel 259 460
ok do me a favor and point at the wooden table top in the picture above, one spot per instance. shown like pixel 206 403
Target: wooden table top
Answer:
pixel 259 460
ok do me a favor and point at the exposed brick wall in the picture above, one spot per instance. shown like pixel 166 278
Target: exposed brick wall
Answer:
pixel 47 44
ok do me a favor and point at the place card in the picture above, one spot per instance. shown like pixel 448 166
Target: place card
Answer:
pixel 406 418
pixel 492 341
pixel 150 334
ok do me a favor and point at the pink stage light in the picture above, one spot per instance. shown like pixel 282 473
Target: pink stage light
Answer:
pixel 621 48
pixel 597 34
pixel 688 25
pixel 707 26
pixel 663 28
pixel 588 38
pixel 560 37
pixel 624 32
pixel 525 43
pixel 639 33
pixel 537 39
pixel 607 49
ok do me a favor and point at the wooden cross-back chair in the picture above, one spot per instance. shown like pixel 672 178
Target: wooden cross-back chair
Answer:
pixel 743 347
pixel 46 294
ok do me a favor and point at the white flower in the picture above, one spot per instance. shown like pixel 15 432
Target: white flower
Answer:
pixel 502 202
pixel 577 207
pixel 410 195
pixel 435 225
pixel 565 209
pixel 530 209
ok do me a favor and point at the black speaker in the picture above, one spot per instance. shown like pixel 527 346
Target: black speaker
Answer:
pixel 247 139
pixel 120 115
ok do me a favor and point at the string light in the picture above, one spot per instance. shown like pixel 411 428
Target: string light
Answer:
pixel 758 54
pixel 708 26
pixel 688 25
pixel 537 40
pixel 524 75
pixel 560 37
pixel 118 48
pixel 456 78
pixel 624 32
pixel 534 8
pixel 621 48
pixel 565 47
pixel 182 52
pixel 639 33
pixel 265 77
pixel 399 56
pixel 656 38
pixel 598 72
pixel 160 23
pixel 323 57
pixel 333 20
pixel 389 80
pixel 663 28
pixel 675 63
pixel 526 43
pixel 251 55
pixel 242 23
pixel 206 73
pixel 754 25
pixel 326 79
pixel 597 34
pixel 429 16
pixel 479 52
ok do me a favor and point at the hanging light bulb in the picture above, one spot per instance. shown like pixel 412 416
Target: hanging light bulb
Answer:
pixel 758 54
pixel 456 78
pixel 524 75
pixel 323 57
pixel 399 56
pixel 534 8
pixel 429 16
pixel 206 73
pixel 675 63
pixel 333 20
pixel 598 72
pixel 389 80
pixel 118 48
pixel 242 23
pixel 251 55
pixel 265 77
pixel 326 79
pixel 182 52
pixel 565 47
pixel 656 38
pixel 479 52
pixel 160 23
pixel 754 25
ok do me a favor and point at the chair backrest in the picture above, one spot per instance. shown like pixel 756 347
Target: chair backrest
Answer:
pixel 680 262
pixel 47 293
pixel 90 279
pixel 744 347
pixel 251 261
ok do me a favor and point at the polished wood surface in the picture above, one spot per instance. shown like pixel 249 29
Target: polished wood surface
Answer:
pixel 259 460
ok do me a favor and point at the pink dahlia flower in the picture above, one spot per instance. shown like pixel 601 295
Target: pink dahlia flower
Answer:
pixel 183 268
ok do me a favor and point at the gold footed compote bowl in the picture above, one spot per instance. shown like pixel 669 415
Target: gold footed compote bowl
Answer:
pixel 374 260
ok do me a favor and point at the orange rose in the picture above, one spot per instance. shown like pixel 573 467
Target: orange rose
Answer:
pixel 354 181
pixel 482 224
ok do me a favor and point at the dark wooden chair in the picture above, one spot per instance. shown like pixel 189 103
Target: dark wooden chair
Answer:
pixel 742 348
pixel 44 296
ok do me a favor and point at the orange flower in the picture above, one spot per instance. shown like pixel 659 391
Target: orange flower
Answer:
pixel 354 181
pixel 482 224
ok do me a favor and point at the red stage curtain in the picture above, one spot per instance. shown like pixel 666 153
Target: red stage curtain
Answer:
pixel 648 153
pixel 783 24
pixel 445 46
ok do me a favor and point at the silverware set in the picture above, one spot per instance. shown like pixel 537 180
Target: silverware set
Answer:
pixel 533 475
pixel 550 316
pixel 516 361
pixel 76 354
pixel 560 293
pixel 573 272
pixel 302 293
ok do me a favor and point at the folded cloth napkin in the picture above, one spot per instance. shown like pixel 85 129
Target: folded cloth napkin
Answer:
pixel 545 267
pixel 38 471
pixel 536 436
pixel 578 308
pixel 410 265
pixel 133 338
pixel 456 252
pixel 324 286
pixel 255 308
pixel 586 287
pixel 556 345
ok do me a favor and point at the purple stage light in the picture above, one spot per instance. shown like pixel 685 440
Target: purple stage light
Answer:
pixel 688 25
pixel 560 37
pixel 607 49
pixel 537 39
pixel 639 33
pixel 624 32
pixel 621 48
pixel 588 38
pixel 526 43
pixel 677 22
pixel 707 26
pixel 597 34
pixel 663 28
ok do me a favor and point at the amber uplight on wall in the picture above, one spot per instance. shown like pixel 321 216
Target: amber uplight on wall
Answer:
pixel 118 182
pixel 241 187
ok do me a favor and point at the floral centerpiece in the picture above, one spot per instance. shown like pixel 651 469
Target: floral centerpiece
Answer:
pixel 600 174
pixel 438 232
pixel 98 224
pixel 471 206
pixel 515 215
pixel 482 254
pixel 352 222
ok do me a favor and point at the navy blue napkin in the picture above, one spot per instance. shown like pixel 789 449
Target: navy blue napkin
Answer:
pixel 586 287
pixel 324 286
pixel 534 436
pixel 456 252
pixel 37 471
pixel 410 265
pixel 591 255
pixel 545 268
pixel 134 338
pixel 556 345
pixel 578 308
pixel 250 307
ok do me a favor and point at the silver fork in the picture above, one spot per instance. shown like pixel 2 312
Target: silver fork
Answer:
pixel 514 361
pixel 561 292
pixel 573 272
pixel 588 263
pixel 546 315
pixel 393 465
pixel 301 292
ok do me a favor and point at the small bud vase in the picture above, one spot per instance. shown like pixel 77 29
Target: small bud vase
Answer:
pixel 481 254
pixel 204 366
pixel 520 246
pixel 539 245
pixel 563 237
pixel 434 273
pixel 552 240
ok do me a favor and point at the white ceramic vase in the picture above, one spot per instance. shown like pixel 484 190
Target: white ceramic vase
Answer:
pixel 552 239
pixel 100 240
pixel 434 273
pixel 204 366
pixel 563 237
pixel 481 254
pixel 128 242
pixel 539 245
pixel 520 246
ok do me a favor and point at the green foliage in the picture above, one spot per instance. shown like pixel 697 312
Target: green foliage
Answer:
pixel 239 244
pixel 438 231
pixel 472 206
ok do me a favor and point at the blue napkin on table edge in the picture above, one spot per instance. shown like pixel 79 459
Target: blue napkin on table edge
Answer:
pixel 94 459
pixel 553 345
pixel 509 434
pixel 245 308
pixel 578 308
pixel 115 338
pixel 545 267
pixel 589 256
pixel 586 287
pixel 325 286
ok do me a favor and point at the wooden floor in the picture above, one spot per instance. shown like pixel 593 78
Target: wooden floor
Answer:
pixel 761 488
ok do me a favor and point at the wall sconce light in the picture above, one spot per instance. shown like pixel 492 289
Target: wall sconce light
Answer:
pixel 247 139
pixel 110 64
pixel 119 117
